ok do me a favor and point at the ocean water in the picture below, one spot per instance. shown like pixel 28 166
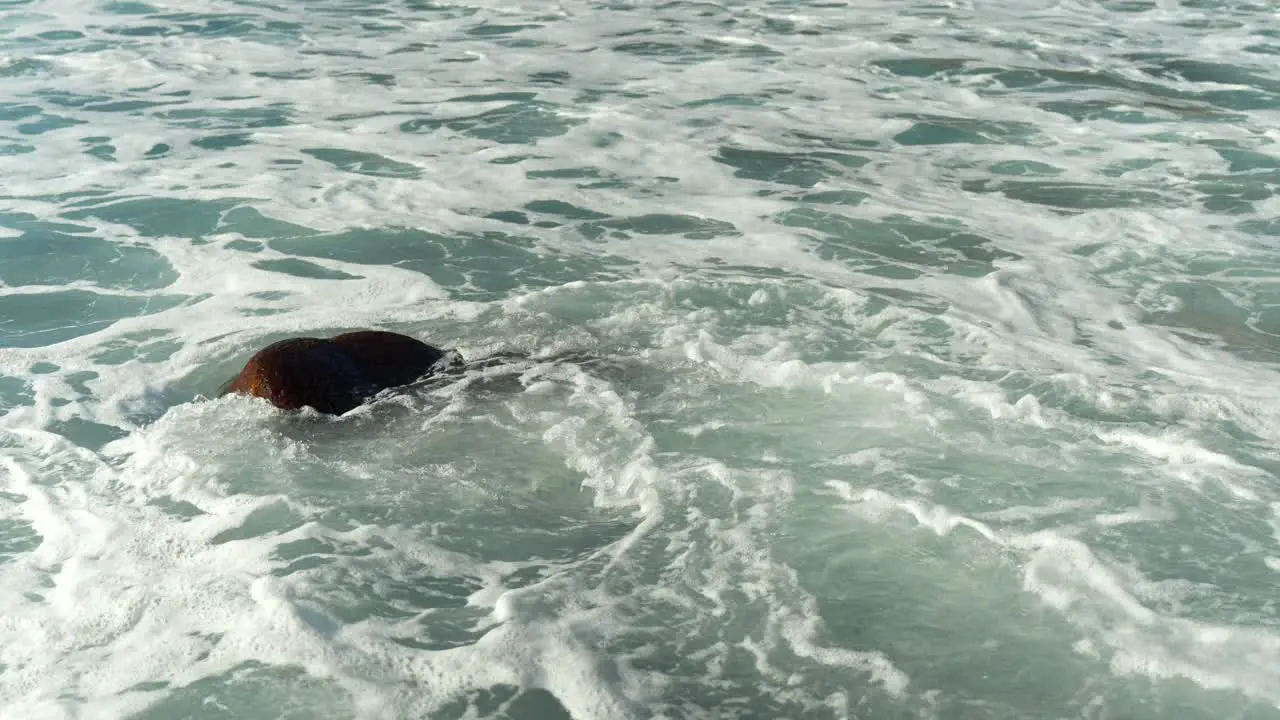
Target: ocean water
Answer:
pixel 923 359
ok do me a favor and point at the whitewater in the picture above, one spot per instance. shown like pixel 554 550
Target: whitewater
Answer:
pixel 874 359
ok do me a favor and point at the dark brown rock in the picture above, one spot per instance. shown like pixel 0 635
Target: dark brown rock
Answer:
pixel 337 374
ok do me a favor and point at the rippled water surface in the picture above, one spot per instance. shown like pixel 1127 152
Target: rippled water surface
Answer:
pixel 887 359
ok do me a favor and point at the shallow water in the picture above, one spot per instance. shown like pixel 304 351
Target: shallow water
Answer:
pixel 933 359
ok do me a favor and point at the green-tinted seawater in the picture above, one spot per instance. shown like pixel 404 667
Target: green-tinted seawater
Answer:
pixel 881 360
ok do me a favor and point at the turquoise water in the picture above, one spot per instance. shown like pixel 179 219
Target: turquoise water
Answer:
pixel 934 369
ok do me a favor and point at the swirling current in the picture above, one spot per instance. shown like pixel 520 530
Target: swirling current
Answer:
pixel 930 359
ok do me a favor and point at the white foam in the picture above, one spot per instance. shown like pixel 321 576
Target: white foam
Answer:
pixel 1099 599
pixel 822 383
